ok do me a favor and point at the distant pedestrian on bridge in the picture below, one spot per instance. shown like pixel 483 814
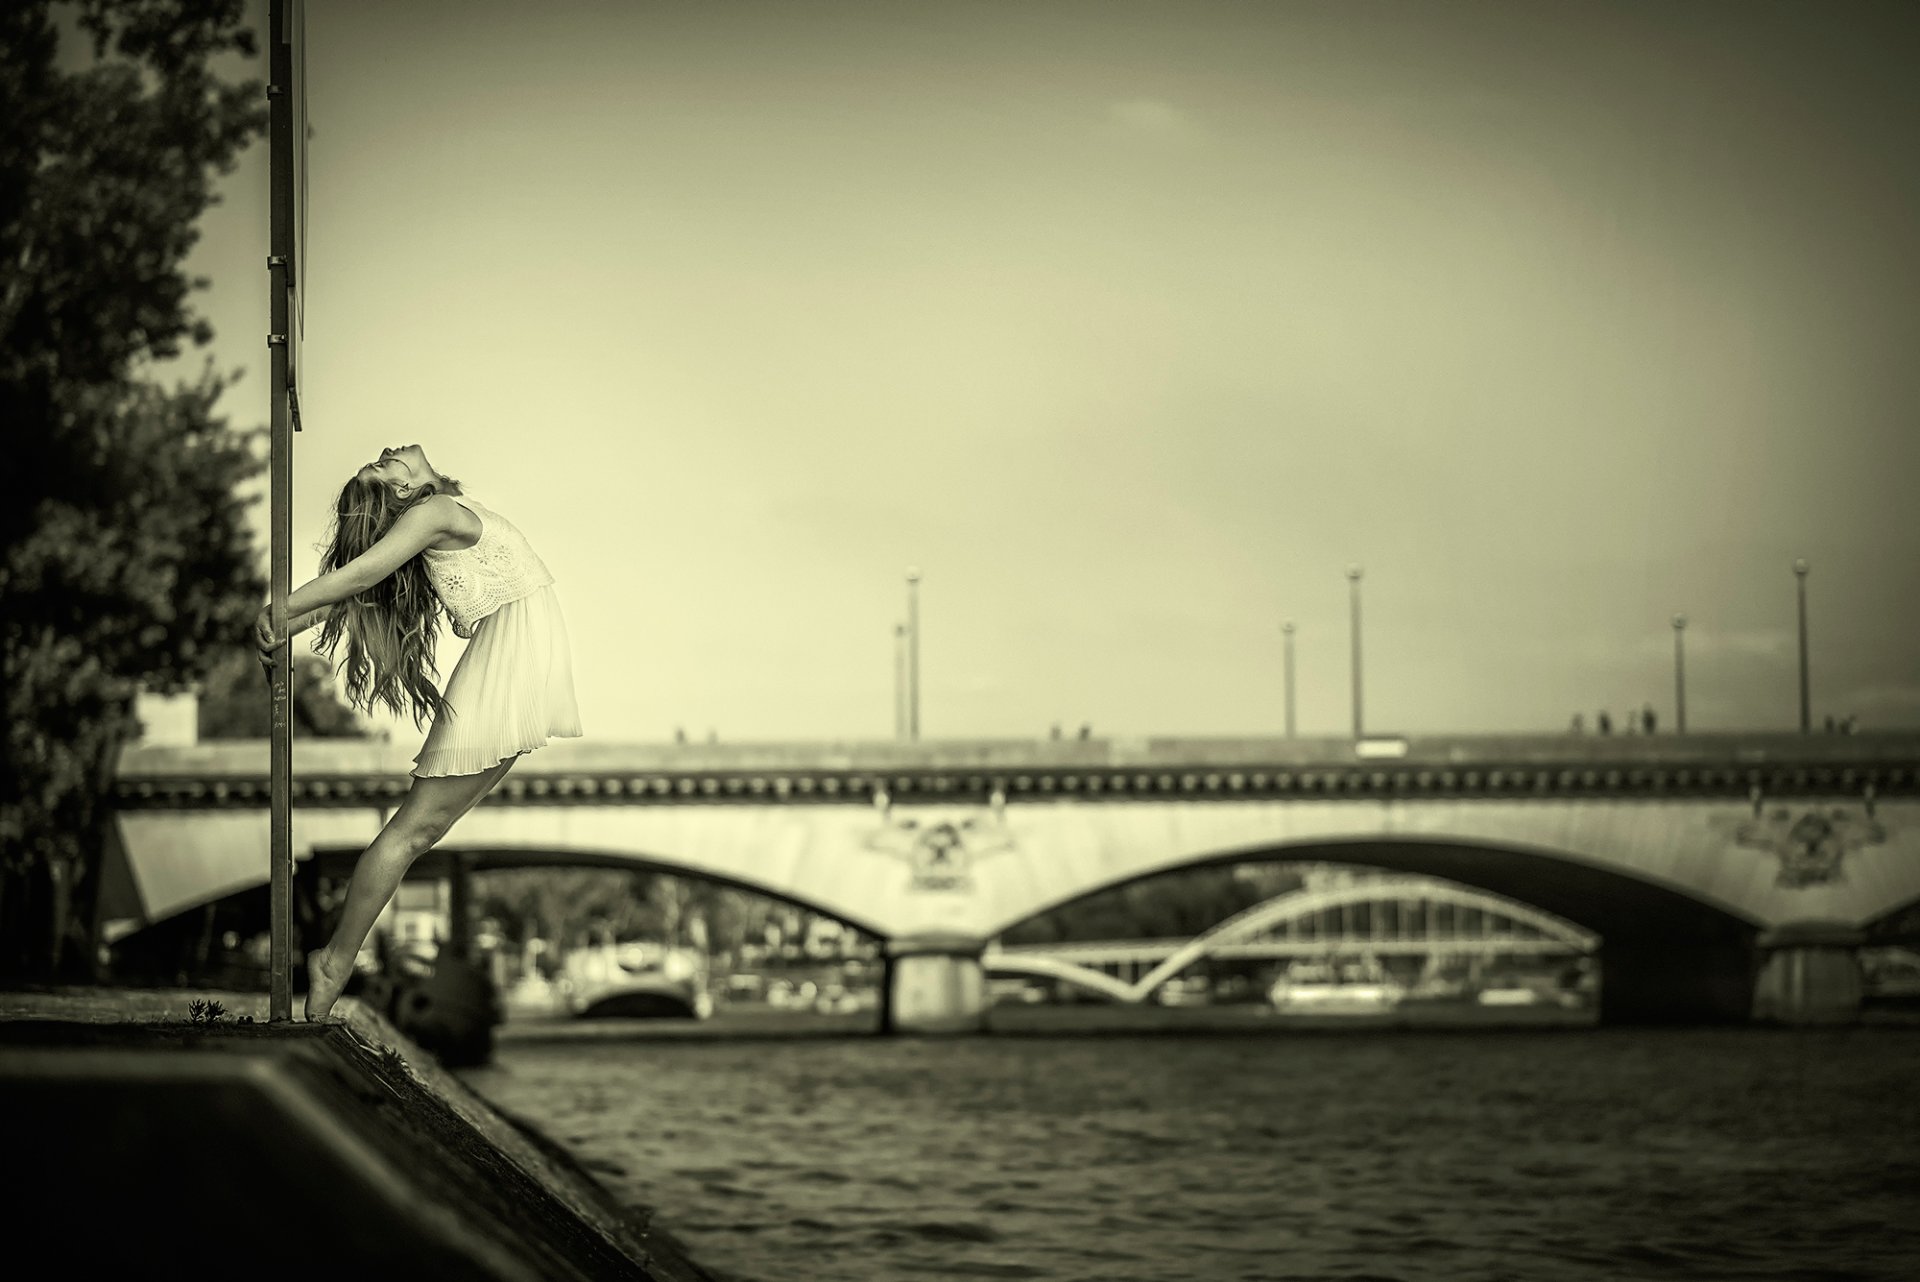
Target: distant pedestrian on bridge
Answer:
pixel 408 543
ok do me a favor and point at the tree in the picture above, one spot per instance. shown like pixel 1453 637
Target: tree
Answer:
pixel 235 702
pixel 1172 905
pixel 124 555
pixel 568 906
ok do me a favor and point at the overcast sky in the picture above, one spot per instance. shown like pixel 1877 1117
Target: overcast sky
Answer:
pixel 1132 326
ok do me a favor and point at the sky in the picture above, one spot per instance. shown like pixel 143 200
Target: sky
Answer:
pixel 1132 326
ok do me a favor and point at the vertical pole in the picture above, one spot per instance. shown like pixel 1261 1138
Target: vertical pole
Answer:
pixel 459 906
pixel 913 653
pixel 1353 581
pixel 1287 630
pixel 887 1023
pixel 900 681
pixel 280 528
pixel 1679 674
pixel 1800 568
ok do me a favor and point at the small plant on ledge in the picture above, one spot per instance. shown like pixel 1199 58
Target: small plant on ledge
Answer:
pixel 200 1011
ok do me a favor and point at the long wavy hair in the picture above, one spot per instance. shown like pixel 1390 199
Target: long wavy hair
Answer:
pixel 391 628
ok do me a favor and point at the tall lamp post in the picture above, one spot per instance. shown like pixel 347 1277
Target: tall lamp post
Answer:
pixel 1286 630
pixel 285 274
pixel 1679 674
pixel 900 681
pixel 1800 568
pixel 1353 585
pixel 913 653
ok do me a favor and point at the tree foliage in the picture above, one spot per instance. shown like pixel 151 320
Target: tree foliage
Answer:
pixel 125 558
pixel 235 702
pixel 1174 905
pixel 577 906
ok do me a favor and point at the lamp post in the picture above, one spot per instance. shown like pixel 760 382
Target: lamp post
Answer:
pixel 900 681
pixel 1353 584
pixel 1286 630
pixel 282 244
pixel 1800 568
pixel 913 653
pixel 1679 674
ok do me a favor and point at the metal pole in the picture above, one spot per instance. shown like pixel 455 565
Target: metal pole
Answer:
pixel 280 527
pixel 1800 568
pixel 1679 674
pixel 1353 582
pixel 900 681
pixel 459 906
pixel 1286 630
pixel 913 653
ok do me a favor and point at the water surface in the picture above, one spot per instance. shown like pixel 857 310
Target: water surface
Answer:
pixel 1555 1154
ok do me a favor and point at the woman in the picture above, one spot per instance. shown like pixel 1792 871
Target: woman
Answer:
pixel 407 543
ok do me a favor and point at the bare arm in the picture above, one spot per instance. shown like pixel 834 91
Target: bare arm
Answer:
pixel 417 529
pixel 263 628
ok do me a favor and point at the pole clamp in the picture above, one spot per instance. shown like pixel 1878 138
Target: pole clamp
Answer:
pixel 276 340
pixel 276 260
pixel 274 91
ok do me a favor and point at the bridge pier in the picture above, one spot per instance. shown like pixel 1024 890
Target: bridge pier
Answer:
pixel 1809 974
pixel 1657 980
pixel 934 984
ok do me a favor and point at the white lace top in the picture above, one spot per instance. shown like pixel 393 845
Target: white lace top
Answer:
pixel 474 582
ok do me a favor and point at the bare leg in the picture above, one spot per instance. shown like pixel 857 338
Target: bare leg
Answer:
pixel 431 808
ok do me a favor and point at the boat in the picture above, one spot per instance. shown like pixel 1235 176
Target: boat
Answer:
pixel 1333 999
pixel 1316 988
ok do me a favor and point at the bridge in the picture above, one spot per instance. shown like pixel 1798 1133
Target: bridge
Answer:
pixel 1726 875
pixel 1384 917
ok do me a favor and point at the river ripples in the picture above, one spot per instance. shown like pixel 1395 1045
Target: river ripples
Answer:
pixel 1591 1154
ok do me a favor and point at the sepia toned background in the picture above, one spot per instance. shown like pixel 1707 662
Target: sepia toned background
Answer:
pixel 1138 329
pixel 1132 325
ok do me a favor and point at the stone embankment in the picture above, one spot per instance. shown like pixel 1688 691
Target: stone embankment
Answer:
pixel 137 1138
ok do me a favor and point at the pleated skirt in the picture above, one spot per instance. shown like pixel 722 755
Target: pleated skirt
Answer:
pixel 510 692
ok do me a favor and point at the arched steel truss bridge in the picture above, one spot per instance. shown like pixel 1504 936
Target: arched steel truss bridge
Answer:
pixel 1383 916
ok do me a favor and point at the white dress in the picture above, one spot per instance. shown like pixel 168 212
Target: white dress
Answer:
pixel 512 689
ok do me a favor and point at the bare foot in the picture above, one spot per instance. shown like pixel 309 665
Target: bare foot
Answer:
pixel 323 986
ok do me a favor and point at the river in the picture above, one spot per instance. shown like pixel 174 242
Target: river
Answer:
pixel 1226 1156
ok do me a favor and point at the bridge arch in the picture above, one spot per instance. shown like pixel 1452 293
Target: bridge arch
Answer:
pixel 1666 951
pixel 1086 978
pixel 487 857
pixel 1299 905
pixel 1581 892
pixel 1291 907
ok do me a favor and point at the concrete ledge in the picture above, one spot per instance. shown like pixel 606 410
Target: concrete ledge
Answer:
pixel 135 1143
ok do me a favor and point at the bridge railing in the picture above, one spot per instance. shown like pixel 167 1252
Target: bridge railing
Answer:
pixel 976 772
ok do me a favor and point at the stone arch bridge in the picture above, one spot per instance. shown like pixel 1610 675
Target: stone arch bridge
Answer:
pixel 1725 875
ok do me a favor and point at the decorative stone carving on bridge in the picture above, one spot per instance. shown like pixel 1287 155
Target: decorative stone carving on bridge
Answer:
pixel 942 846
pixel 1812 845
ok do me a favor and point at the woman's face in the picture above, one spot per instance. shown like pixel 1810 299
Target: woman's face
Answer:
pixel 399 466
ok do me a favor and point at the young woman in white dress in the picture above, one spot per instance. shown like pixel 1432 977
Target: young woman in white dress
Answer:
pixel 408 543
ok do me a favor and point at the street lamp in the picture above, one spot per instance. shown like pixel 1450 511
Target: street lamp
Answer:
pixel 913 653
pixel 1353 583
pixel 1800 568
pixel 1286 630
pixel 1679 674
pixel 900 681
